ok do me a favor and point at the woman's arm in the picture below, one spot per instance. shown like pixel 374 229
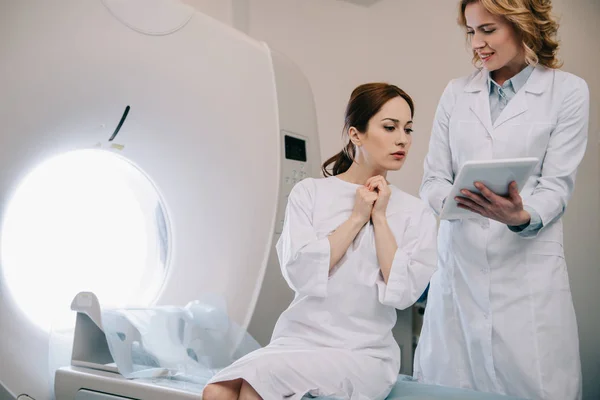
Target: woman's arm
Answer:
pixel 549 199
pixel 565 152
pixel 306 260
pixel 405 272
pixel 385 244
pixel 407 255
pixel 438 175
pixel 342 238
pixel 303 257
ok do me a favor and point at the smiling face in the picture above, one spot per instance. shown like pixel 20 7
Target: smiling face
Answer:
pixel 495 41
pixel 386 142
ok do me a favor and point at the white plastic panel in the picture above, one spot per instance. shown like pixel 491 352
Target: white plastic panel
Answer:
pixel 297 118
pixel 89 395
pixel 203 125
pixel 73 378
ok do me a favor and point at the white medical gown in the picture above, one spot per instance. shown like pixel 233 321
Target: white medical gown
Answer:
pixel 335 339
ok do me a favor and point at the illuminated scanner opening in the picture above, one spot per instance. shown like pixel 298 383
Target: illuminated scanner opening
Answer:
pixel 86 220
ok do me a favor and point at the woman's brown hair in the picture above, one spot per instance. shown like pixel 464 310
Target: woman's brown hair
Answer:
pixel 365 101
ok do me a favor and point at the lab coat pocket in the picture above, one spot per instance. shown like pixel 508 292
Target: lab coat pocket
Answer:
pixel 547 266
pixel 547 248
pixel 511 140
pixel 469 141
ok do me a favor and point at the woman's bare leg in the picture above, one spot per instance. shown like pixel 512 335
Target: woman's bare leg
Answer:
pixel 247 392
pixel 228 390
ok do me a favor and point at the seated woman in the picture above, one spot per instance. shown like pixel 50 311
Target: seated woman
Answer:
pixel 353 248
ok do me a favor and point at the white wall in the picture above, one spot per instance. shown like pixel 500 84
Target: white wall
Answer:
pixel 581 52
pixel 339 46
pixel 418 46
pixel 218 9
pixel 232 12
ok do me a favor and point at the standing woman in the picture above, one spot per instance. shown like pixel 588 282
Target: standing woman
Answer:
pixel 500 316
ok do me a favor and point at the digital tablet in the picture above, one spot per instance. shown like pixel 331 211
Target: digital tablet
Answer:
pixel 495 174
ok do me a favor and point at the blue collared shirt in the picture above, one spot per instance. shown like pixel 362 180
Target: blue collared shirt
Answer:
pixel 500 96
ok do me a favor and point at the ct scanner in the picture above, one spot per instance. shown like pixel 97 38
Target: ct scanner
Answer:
pixel 219 124
pixel 203 129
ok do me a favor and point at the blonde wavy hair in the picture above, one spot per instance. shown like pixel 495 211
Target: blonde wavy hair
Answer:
pixel 532 20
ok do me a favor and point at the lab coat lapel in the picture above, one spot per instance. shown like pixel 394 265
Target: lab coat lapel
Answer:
pixel 480 100
pixel 515 107
pixel 518 105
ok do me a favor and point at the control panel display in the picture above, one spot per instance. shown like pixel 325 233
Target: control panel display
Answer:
pixel 295 149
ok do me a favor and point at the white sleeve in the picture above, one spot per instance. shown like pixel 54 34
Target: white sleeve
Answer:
pixel 414 263
pixel 438 176
pixel 565 151
pixel 304 258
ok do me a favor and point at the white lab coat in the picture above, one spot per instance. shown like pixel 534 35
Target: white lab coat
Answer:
pixel 335 338
pixel 500 316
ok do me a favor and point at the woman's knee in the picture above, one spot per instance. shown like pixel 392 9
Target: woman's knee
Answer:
pixel 222 390
pixel 247 392
pixel 211 392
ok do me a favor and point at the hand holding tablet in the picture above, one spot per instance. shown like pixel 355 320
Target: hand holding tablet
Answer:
pixel 495 198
